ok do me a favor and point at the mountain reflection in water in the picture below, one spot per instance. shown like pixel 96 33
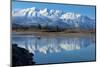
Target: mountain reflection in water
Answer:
pixel 45 45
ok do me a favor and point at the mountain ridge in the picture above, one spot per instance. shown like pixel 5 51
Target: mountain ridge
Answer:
pixel 51 18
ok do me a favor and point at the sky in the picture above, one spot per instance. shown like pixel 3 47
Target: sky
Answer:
pixel 84 10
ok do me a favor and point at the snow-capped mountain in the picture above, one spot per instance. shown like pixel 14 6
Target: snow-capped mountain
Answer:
pixel 31 16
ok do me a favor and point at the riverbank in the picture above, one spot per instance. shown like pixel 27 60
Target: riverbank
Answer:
pixel 39 33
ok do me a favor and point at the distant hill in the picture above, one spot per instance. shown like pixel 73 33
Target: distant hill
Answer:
pixel 50 20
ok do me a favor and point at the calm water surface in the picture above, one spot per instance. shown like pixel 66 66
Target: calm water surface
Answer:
pixel 57 49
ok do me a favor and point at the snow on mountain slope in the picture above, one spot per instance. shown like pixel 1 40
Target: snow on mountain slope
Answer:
pixel 51 17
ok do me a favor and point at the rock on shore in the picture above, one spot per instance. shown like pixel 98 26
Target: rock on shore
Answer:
pixel 21 56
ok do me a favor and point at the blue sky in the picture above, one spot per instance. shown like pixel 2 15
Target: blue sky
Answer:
pixel 84 10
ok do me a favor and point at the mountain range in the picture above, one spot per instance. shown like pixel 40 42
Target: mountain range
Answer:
pixel 51 18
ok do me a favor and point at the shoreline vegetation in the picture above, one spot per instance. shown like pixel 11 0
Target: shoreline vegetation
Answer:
pixel 53 33
pixel 51 30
